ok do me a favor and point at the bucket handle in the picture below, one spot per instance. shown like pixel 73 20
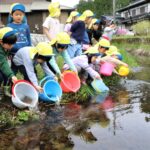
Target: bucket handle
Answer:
pixel 45 78
pixel 19 82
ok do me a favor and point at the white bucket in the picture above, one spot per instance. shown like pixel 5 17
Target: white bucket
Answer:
pixel 22 89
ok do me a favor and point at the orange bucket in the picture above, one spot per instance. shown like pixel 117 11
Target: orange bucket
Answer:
pixel 70 82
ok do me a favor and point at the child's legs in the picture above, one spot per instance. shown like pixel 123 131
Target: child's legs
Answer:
pixel 71 50
pixel 22 69
pixel 78 49
pixel 3 79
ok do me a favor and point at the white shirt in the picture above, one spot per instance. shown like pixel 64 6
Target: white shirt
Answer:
pixel 53 25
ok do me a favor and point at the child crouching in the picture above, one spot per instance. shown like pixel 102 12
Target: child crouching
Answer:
pixel 26 59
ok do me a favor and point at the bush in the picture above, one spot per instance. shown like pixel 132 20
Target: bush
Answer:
pixel 142 28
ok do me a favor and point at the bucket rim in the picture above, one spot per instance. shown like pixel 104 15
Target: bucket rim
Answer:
pixel 21 81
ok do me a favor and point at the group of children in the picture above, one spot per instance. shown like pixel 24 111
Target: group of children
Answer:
pixel 80 31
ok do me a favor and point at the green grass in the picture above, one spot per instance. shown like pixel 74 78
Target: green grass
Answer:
pixel 129 46
pixel 129 36
pixel 127 57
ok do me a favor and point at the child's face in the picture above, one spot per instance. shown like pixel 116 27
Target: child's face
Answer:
pixel 18 16
pixel 6 46
pixel 88 20
pixel 75 19
pixel 95 27
pixel 40 60
pixel 101 50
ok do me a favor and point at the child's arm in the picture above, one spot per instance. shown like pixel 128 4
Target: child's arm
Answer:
pixel 30 71
pixel 46 28
pixel 47 70
pixel 46 32
pixel 113 60
pixel 5 67
pixel 84 64
pixel 68 60
pixel 55 65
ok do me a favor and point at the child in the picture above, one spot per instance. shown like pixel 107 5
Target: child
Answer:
pixel 93 31
pixel 16 21
pixel 78 33
pixel 71 19
pixel 102 48
pixel 113 52
pixel 7 39
pixel 26 59
pixel 51 26
pixel 109 31
pixel 86 62
pixel 60 44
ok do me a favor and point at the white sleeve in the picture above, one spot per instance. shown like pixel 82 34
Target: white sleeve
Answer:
pixel 108 29
pixel 47 23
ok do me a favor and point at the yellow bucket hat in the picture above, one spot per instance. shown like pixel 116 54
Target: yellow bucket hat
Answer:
pixel 6 32
pixel 73 14
pixel 54 9
pixel 93 22
pixel 42 48
pixel 104 43
pixel 61 38
pixel 86 13
pixel 112 51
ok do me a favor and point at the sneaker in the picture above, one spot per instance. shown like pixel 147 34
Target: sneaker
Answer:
pixel 7 91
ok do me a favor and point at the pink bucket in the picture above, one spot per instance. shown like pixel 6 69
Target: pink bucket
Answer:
pixel 106 69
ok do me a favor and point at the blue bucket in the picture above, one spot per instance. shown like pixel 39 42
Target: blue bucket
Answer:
pixel 52 90
pixel 99 86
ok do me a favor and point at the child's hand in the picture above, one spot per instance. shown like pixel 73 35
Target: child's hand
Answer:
pixel 14 79
pixel 98 77
pixel 55 78
pixel 39 89
pixel 61 76
pixel 126 65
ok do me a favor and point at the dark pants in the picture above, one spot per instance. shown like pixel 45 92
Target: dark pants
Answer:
pixel 22 70
pixel 3 79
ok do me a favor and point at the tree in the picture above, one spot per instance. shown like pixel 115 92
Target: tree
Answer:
pixel 101 7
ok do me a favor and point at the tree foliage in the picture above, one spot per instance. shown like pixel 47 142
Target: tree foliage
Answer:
pixel 101 7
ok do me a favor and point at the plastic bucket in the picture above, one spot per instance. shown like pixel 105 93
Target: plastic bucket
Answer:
pixel 123 71
pixel 106 69
pixel 24 94
pixel 51 90
pixel 70 82
pixel 99 86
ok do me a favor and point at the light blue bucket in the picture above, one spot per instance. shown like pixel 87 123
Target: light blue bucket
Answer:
pixel 51 90
pixel 99 86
